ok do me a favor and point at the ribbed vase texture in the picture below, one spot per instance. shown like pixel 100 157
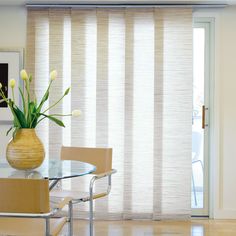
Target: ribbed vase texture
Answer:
pixel 25 151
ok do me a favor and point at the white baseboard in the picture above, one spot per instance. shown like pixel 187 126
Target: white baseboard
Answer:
pixel 225 214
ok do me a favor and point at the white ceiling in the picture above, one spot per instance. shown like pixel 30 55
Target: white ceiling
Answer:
pixel 23 2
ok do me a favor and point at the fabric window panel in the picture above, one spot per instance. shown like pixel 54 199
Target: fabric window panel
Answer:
pixel 130 72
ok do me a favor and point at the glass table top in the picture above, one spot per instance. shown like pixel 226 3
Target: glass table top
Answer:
pixel 51 169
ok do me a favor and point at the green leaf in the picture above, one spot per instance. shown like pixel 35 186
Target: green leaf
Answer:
pixel 20 116
pixel 57 121
pixel 9 130
pixel 30 78
pixel 32 112
pixel 35 101
pixel 16 119
pixel 14 132
pixel 45 98
pixel 15 122
pixel 32 107
pixel 34 121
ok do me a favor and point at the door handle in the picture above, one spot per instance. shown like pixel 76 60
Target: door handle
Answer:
pixel 204 125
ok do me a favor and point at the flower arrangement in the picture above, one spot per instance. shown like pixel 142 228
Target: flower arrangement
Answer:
pixel 32 112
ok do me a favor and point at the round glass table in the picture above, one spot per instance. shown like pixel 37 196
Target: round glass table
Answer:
pixel 52 169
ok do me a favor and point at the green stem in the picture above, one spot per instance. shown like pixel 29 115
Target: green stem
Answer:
pixel 3 96
pixel 41 104
pixel 42 101
pixel 32 122
pixel 52 115
pixel 60 115
pixel 54 104
pixel 26 107
pixel 13 113
pixel 28 96
pixel 41 120
pixel 13 96
pixel 23 100
pixel 28 90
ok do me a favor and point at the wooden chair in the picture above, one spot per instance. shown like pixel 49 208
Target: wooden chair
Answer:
pixel 25 208
pixel 102 159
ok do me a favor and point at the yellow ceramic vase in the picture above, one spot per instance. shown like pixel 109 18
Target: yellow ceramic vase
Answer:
pixel 25 151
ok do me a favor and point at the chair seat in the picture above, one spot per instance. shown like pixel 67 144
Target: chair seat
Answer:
pixel 29 226
pixel 58 202
pixel 61 193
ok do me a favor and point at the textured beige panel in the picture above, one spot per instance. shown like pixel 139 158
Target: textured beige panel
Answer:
pixel 158 113
pixel 177 116
pixel 128 112
pixel 143 105
pixel 56 27
pixel 102 78
pixel 84 40
pixel 30 50
pixel 102 93
pixel 37 61
pixel 66 61
pixel 78 20
pixel 116 88
pixel 90 77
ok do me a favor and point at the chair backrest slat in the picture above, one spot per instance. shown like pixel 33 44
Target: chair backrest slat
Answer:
pixel 24 195
pixel 100 157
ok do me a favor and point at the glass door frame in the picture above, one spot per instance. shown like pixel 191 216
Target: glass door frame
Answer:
pixel 208 25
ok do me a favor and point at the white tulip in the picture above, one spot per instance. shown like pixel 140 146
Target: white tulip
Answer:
pixel 53 75
pixel 0 85
pixel 24 75
pixel 76 113
pixel 12 83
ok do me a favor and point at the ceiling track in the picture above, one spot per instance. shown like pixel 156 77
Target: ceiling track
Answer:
pixel 126 5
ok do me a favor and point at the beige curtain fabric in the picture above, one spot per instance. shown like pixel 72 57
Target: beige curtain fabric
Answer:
pixel 130 72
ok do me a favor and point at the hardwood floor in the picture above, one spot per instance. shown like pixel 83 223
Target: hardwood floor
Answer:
pixel 194 227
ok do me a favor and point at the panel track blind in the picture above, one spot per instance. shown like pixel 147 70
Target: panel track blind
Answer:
pixel 130 72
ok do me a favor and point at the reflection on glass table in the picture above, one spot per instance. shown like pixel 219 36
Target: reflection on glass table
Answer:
pixel 52 169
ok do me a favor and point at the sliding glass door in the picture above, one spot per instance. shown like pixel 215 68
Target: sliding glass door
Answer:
pixel 200 117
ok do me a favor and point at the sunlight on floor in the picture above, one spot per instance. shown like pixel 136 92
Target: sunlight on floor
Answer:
pixel 193 227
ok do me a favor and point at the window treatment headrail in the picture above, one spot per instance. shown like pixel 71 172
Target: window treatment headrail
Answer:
pixel 125 5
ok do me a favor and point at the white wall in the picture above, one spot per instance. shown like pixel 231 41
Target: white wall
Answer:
pixel 223 155
pixel 225 206
pixel 12 35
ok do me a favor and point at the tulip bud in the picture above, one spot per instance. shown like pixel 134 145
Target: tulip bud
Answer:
pixel 53 75
pixel 24 75
pixel 67 91
pixel 0 85
pixel 12 83
pixel 76 113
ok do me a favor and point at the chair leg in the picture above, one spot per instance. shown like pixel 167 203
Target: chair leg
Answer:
pixel 70 226
pixel 47 227
pixel 91 217
pixel 194 190
pixel 202 165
